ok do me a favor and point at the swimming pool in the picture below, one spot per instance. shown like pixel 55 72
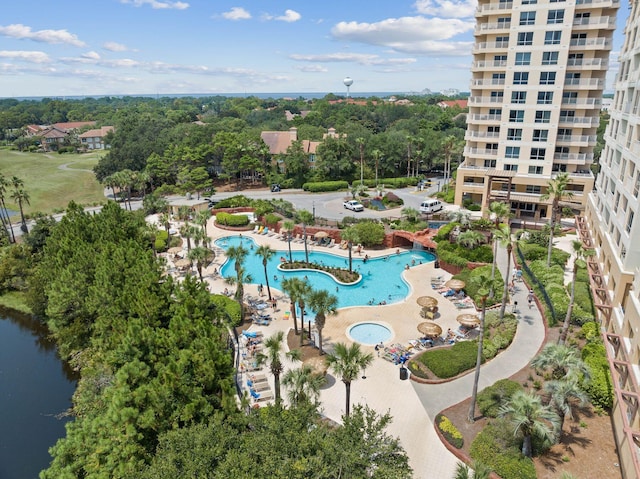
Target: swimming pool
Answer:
pixel 381 277
pixel 369 333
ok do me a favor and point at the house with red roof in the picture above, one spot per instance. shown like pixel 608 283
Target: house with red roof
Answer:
pixel 280 141
pixel 95 139
pixel 450 103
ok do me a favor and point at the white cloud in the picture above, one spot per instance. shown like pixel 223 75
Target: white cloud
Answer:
pixel 237 13
pixel 447 8
pixel 91 55
pixel 26 56
pixel 24 32
pixel 360 58
pixel 115 47
pixel 157 5
pixel 289 16
pixel 415 35
pixel 313 69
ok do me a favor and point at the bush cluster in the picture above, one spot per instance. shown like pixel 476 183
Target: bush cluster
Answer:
pixel 599 389
pixel 471 288
pixel 231 220
pixel 391 200
pixel 317 186
pixel 502 337
pixel 271 219
pixel 342 275
pixel 491 398
pixel 449 431
pixel 229 305
pixel 495 446
pixel 234 202
pixel 449 362
pixel 160 243
pixel 479 254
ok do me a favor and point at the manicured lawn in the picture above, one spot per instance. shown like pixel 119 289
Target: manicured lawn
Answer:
pixel 51 187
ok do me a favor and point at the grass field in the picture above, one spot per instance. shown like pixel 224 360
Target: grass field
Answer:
pixel 53 180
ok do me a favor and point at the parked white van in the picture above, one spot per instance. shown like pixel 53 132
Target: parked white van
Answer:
pixel 430 206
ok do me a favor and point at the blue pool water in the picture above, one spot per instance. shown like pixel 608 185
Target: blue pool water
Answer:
pixel 381 277
pixel 370 333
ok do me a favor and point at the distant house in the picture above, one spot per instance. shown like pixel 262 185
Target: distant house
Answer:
pixel 52 138
pixel 73 125
pixel 450 103
pixel 290 116
pixel 280 141
pixel 94 139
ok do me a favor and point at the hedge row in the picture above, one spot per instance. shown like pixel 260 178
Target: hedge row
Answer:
pixel 160 243
pixel 400 182
pixel 317 186
pixel 599 389
pixel 231 220
pixel 449 362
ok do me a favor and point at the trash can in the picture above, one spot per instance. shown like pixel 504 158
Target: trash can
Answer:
pixel 404 373
pixel 436 265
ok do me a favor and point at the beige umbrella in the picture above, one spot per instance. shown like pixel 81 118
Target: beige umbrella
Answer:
pixel 183 263
pixel 318 365
pixel 427 301
pixel 429 329
pixel 455 284
pixel 321 234
pixel 174 250
pixel 468 320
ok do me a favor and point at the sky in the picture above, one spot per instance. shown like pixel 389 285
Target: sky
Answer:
pixel 128 47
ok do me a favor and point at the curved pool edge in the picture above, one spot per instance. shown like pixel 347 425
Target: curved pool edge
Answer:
pixel 377 322
pixel 280 268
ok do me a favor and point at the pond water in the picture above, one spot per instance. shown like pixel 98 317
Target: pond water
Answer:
pixel 35 388
pixel 381 282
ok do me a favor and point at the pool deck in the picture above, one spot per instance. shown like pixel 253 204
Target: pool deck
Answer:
pixel 412 405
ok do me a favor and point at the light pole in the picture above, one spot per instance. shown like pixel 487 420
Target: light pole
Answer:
pixel 313 207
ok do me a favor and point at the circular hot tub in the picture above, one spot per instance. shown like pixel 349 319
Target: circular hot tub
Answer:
pixel 369 333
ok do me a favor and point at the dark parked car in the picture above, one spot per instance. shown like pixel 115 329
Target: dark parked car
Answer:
pixel 275 188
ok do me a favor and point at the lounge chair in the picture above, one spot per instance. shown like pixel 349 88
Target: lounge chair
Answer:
pixel 265 231
pixel 260 230
pixel 332 243
pixel 298 239
pixel 252 334
pixel 255 230
pixel 257 386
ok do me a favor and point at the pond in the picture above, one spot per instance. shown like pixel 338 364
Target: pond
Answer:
pixel 35 390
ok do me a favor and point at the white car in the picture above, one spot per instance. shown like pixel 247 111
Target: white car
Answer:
pixel 353 205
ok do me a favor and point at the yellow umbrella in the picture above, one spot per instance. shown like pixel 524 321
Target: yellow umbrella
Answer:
pixel 468 320
pixel 455 284
pixel 430 329
pixel 321 234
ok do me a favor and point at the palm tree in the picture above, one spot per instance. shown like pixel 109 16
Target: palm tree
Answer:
pixel 186 231
pixel 470 238
pixel 303 385
pixel 564 361
pixel 6 219
pixel 202 218
pixel 266 253
pixel 377 154
pixel 360 142
pixel 21 197
pixel 450 147
pixel 350 235
pixel 498 210
pixel 238 254
pixel 462 217
pixel 502 236
pixel 305 218
pixel 580 253
pixel 477 471
pixel 323 303
pixel 201 256
pixel 293 288
pixel 412 214
pixel 530 417
pixel 484 284
pixel 410 140
pixel 271 356
pixel 289 225
pixel 556 189
pixel 347 362
pixel 562 396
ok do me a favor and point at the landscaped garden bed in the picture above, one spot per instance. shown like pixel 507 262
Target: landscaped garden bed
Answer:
pixel 341 275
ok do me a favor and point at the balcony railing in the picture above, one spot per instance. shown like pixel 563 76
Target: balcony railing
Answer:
pixel 479 117
pixel 577 138
pixel 474 135
pixel 480 152
pixel 573 158
pixel 598 22
pixel 490 46
pixel 597 3
pixel 584 82
pixel 583 102
pixel 580 120
pixel 490 64
pixel 494 7
pixel 476 100
pixel 490 27
pixel 587 62
pixel 489 82
pixel 591 42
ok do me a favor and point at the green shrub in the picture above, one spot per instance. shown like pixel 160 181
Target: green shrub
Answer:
pixel 449 362
pixel 231 220
pixel 599 388
pixel 229 308
pixel 491 398
pixel 318 186
pixel 371 233
pixel 449 431
pixel 444 232
pixel 234 202
pixel 590 331
pixel 495 447
pixel 400 182
pixel 160 243
pixel 533 251
pixel 271 219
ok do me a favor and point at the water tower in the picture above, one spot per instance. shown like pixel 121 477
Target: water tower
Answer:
pixel 348 81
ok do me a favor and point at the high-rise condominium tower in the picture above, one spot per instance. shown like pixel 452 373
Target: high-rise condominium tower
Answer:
pixel 538 74
pixel 612 228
